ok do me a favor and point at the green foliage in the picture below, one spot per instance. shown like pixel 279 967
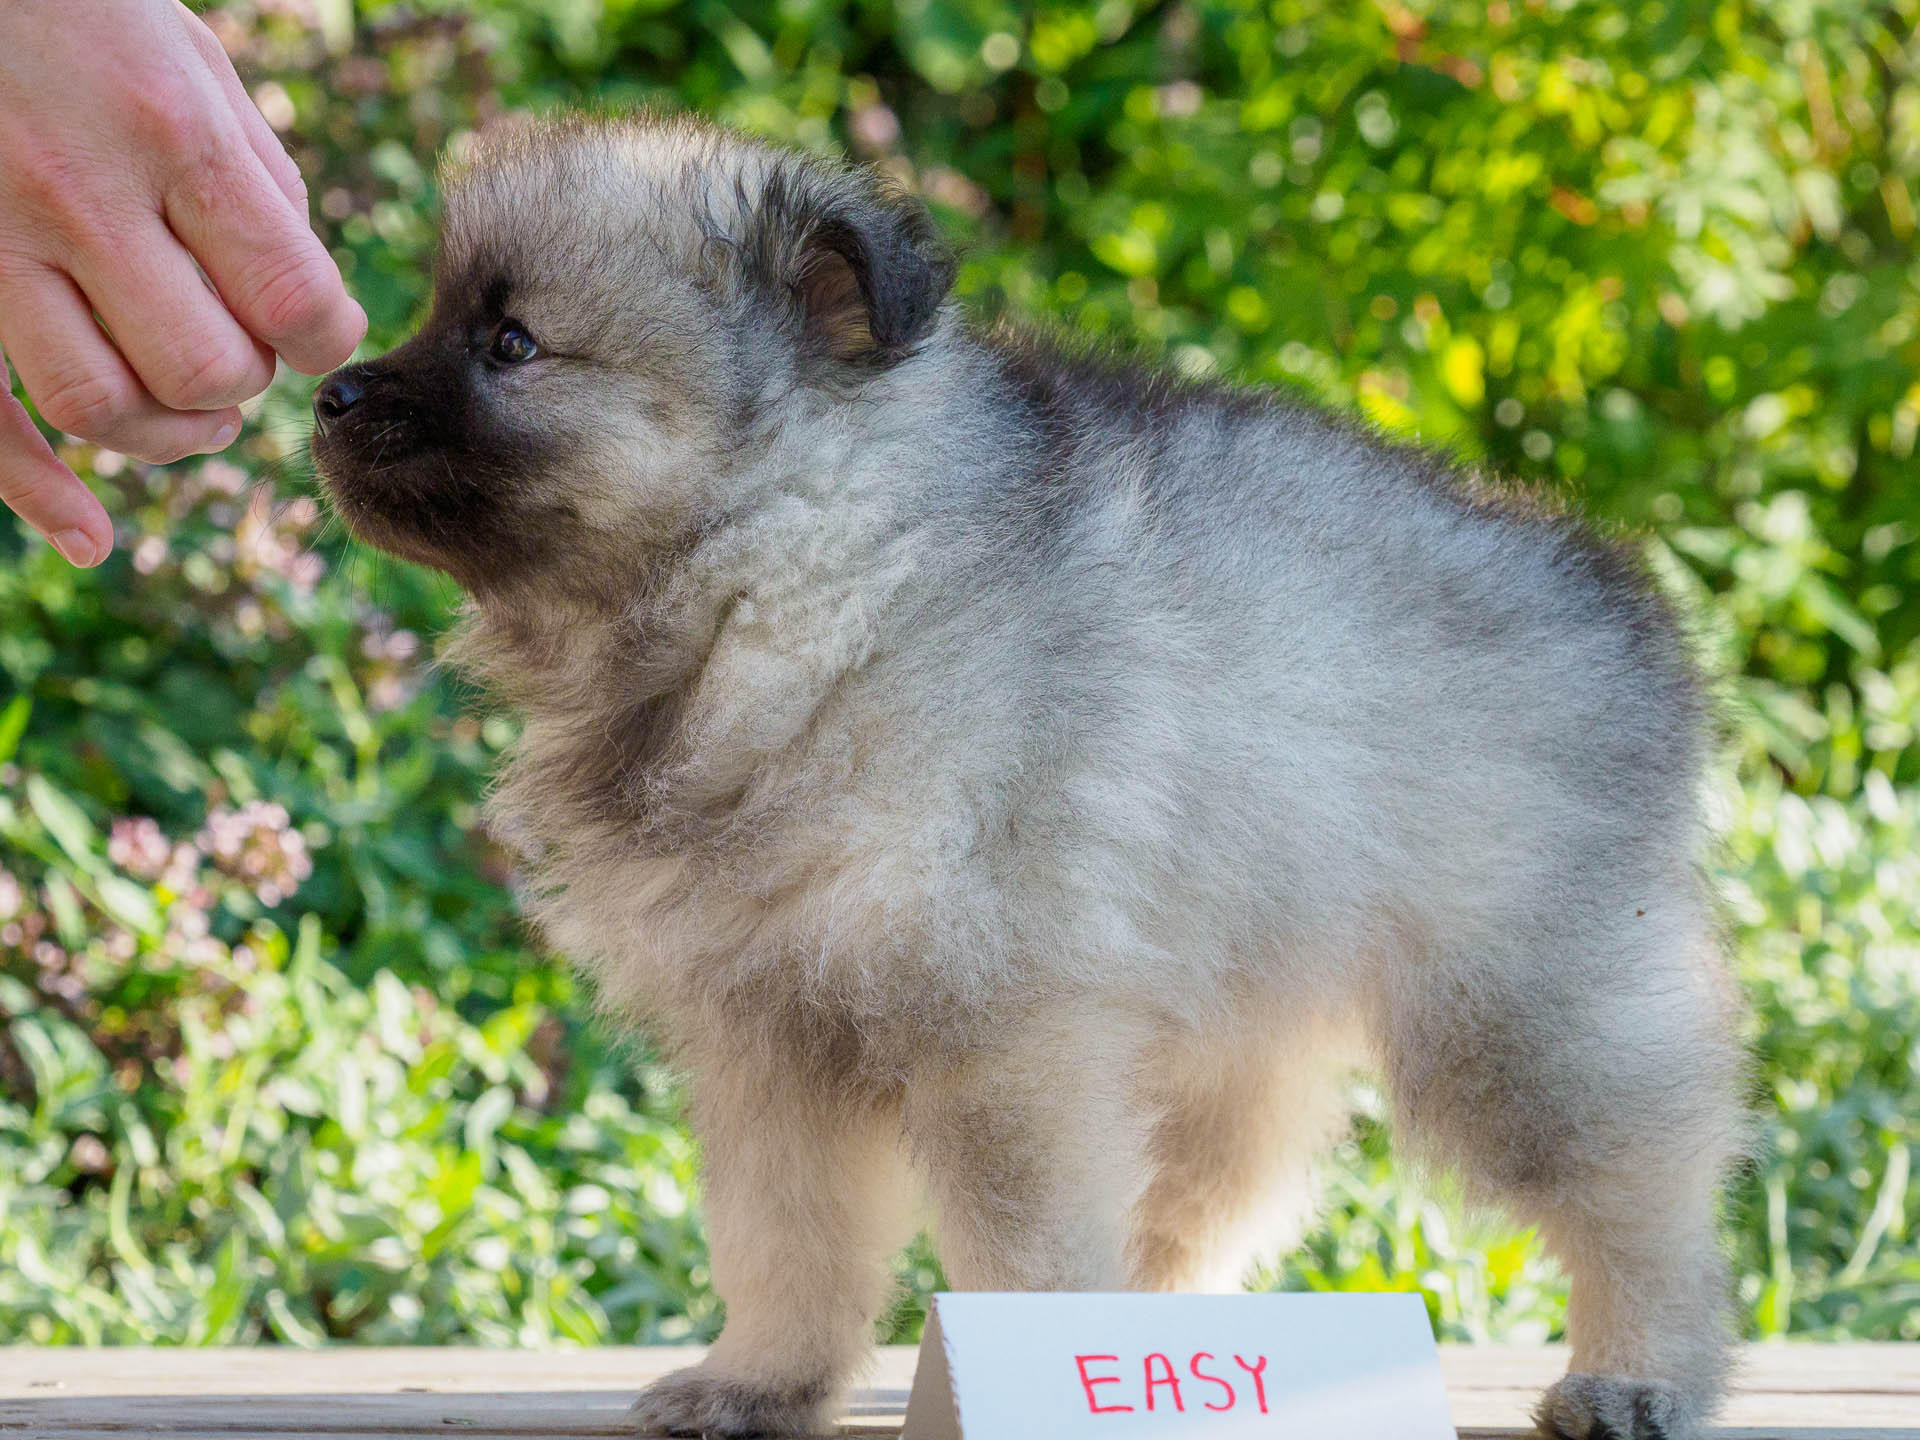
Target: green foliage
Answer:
pixel 393 1128
pixel 276 1058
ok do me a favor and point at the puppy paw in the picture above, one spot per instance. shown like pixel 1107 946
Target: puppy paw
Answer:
pixel 1614 1407
pixel 714 1405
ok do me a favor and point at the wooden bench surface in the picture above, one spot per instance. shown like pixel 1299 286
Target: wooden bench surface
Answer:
pixel 1785 1392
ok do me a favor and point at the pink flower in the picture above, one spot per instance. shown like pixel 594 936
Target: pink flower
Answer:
pixel 258 845
pixel 138 847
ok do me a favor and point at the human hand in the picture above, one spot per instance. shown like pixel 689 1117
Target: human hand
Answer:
pixel 129 152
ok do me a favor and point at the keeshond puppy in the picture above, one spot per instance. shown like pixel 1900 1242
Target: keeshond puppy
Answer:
pixel 1036 783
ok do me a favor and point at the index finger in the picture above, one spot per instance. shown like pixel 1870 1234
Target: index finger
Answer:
pixel 268 266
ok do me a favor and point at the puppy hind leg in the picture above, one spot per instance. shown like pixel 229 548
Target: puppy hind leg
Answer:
pixel 1647 1316
pixel 1234 1158
pixel 807 1195
pixel 1601 1104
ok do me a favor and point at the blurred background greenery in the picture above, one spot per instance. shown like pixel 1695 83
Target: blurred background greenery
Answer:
pixel 277 1060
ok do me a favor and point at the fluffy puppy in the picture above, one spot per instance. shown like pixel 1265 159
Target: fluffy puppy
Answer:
pixel 1034 782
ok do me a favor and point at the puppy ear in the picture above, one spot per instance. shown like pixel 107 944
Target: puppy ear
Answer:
pixel 862 263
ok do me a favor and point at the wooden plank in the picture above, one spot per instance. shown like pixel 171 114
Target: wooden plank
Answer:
pixel 280 1392
pixel 1783 1392
pixel 1795 1392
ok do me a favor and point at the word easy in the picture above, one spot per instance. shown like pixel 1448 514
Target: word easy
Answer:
pixel 1073 1366
pixel 1205 1382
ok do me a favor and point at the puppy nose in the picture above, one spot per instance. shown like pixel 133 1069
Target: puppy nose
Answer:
pixel 337 394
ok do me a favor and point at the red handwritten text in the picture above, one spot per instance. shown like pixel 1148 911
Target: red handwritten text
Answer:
pixel 1160 1382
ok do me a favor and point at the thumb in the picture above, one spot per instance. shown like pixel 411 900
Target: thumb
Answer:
pixel 47 495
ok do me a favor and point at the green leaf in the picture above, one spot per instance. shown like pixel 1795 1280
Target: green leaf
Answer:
pixel 13 725
pixel 66 822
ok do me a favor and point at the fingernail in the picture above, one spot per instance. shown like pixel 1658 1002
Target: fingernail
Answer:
pixel 223 437
pixel 77 546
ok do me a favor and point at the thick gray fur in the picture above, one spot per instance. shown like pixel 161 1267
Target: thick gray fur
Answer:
pixel 1033 784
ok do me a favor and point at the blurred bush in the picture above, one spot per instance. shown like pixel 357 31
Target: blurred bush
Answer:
pixel 276 1060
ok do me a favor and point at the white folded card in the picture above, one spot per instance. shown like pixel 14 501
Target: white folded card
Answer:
pixel 1329 1367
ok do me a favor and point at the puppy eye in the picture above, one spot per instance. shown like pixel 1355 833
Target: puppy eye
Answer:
pixel 512 345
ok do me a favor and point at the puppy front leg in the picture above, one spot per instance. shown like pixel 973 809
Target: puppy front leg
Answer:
pixel 1036 1155
pixel 807 1200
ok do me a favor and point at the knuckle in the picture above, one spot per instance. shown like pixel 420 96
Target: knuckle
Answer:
pixel 209 374
pixel 169 118
pixel 29 488
pixel 19 268
pixel 50 182
pixel 205 181
pixel 285 292
pixel 24 481
pixel 85 403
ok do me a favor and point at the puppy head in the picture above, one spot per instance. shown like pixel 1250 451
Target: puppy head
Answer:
pixel 624 314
